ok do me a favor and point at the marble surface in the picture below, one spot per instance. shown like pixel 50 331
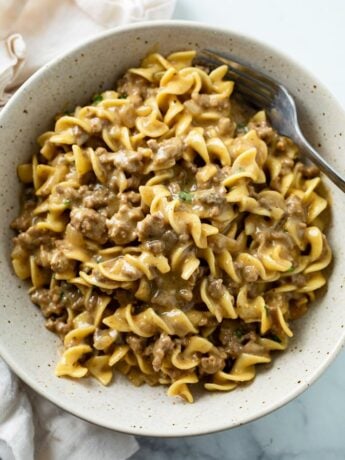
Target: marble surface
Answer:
pixel 312 427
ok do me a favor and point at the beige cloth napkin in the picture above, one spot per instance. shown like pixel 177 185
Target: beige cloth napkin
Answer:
pixel 34 31
pixel 31 33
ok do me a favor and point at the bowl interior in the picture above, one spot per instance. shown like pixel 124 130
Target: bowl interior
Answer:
pixel 32 351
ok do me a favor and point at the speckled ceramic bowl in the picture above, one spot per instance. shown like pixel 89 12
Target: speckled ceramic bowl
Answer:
pixel 31 350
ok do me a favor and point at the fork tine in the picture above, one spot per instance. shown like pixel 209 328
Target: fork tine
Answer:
pixel 253 97
pixel 255 94
pixel 243 69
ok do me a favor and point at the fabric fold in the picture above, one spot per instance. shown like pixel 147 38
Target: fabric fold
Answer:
pixel 40 30
pixel 30 35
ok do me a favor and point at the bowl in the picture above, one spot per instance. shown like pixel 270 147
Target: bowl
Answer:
pixel 31 350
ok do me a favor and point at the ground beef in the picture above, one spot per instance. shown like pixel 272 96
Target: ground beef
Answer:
pixel 250 273
pixel 55 301
pixel 211 364
pixel 264 130
pixel 134 86
pixel 97 197
pixel 185 294
pixel 211 101
pixel 59 325
pixel 130 197
pixel 24 221
pixel 298 307
pixel 173 292
pixel 275 300
pixel 287 165
pixel 151 227
pixel 77 303
pixel 90 224
pixel 161 347
pixel 166 152
pixel 281 144
pixel 212 196
pixel 299 280
pixel 137 344
pixel 165 297
pixel 129 161
pixel 226 332
pixel 122 227
pixel 59 263
pixel 128 115
pixel 155 246
pixel 32 238
pixel 80 135
pixel 230 337
pixel 96 124
pixel 295 208
pixel 212 200
pixel 69 194
pixel 44 255
pixel 169 239
pixel 310 171
pixel 215 288
pixel 267 237
pixel 233 348
pixel 254 290
pixel 49 300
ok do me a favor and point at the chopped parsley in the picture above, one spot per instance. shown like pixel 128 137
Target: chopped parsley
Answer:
pixel 186 196
pixel 62 295
pixel 67 203
pixel 274 337
pixel 122 96
pixel 96 99
pixel 242 128
pixel 267 309
pixel 291 269
pixel 99 259
pixel 239 333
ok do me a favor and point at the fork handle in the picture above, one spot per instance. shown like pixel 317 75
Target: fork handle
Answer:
pixel 319 161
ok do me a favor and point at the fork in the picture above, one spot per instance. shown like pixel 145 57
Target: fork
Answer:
pixel 265 93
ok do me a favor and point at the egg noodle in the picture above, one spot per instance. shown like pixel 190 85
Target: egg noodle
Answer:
pixel 168 237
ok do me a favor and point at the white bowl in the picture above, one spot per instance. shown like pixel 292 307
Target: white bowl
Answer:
pixel 31 350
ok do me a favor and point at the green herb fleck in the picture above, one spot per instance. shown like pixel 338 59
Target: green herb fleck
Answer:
pixel 186 196
pixel 96 99
pixel 239 333
pixel 67 203
pixel 291 269
pixel 267 309
pixel 99 259
pixel 122 96
pixel 242 128
pixel 62 295
pixel 274 337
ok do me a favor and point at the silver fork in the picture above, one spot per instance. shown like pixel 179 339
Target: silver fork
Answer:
pixel 266 93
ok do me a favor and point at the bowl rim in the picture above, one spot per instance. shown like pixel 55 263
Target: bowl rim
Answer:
pixel 222 424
